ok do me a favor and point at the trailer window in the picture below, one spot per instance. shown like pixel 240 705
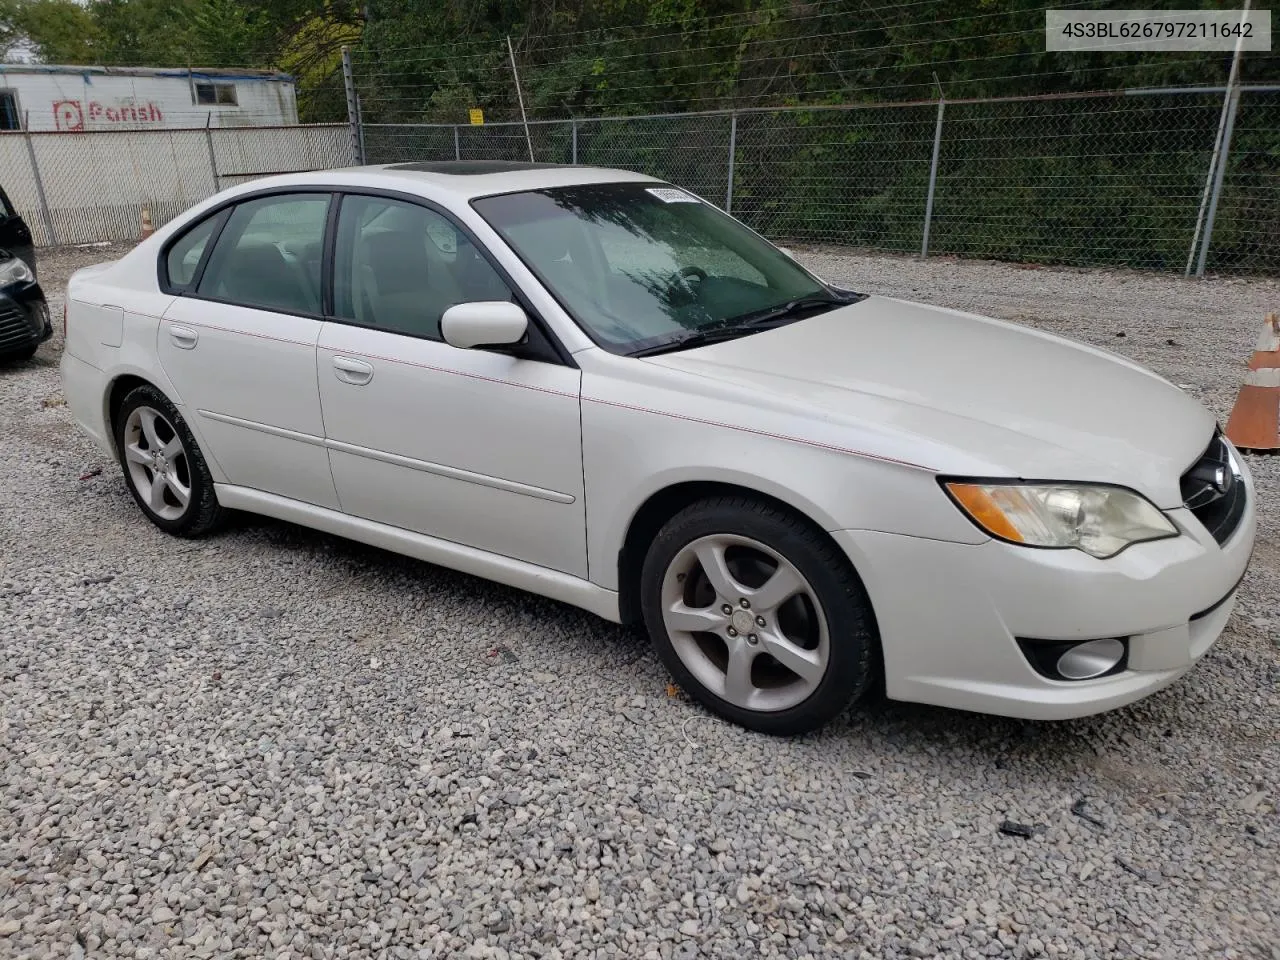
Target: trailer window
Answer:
pixel 216 94
pixel 10 118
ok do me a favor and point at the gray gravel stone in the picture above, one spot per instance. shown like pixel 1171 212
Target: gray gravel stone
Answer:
pixel 200 758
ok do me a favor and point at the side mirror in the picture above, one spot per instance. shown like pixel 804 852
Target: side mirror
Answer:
pixel 485 323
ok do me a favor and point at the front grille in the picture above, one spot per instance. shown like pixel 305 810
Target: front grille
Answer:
pixel 15 328
pixel 1214 490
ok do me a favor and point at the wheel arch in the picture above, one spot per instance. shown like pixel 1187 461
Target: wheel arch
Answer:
pixel 119 387
pixel 123 381
pixel 659 507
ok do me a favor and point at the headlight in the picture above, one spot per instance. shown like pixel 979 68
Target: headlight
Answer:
pixel 15 270
pixel 1101 521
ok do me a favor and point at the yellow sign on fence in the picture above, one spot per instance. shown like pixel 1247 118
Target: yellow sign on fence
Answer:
pixel 477 116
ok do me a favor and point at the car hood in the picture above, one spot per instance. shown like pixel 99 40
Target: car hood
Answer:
pixel 968 395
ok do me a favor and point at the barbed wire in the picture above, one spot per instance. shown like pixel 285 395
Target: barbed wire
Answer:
pixel 789 63
pixel 783 22
pixel 744 58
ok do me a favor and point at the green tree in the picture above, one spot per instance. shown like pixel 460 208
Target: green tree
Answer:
pixel 57 31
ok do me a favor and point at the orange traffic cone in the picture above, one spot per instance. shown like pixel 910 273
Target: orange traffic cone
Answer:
pixel 148 228
pixel 1255 419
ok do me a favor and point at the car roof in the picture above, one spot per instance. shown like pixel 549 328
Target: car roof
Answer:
pixel 465 179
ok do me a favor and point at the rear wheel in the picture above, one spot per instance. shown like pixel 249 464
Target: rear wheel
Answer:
pixel 162 465
pixel 758 615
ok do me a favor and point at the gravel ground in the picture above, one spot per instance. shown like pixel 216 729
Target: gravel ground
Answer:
pixel 275 743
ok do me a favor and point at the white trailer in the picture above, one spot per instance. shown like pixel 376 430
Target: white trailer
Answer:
pixel 73 99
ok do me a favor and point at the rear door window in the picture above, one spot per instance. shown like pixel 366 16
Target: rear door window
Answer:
pixel 269 254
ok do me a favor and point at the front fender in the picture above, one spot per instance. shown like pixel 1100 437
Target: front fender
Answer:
pixel 630 454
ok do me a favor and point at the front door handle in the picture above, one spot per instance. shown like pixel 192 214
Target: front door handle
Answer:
pixel 184 338
pixel 355 372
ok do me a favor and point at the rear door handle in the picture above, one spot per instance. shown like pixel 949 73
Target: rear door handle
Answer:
pixel 355 372
pixel 184 338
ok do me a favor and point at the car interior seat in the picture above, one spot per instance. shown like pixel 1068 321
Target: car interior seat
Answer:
pixel 400 292
pixel 258 274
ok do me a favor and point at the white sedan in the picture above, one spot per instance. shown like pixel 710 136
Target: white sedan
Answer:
pixel 594 386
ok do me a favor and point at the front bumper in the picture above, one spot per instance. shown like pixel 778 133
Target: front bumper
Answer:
pixel 949 614
pixel 24 318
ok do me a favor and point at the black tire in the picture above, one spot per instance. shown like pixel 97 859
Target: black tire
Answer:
pixel 18 357
pixel 853 664
pixel 203 514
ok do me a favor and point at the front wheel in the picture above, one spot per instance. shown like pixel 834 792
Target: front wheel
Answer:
pixel 163 467
pixel 758 615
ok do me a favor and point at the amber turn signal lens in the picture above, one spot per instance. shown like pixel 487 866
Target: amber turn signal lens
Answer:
pixel 980 505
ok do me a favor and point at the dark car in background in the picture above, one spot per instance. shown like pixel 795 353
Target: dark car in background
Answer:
pixel 15 235
pixel 24 315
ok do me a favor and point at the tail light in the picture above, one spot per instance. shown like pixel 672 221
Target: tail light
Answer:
pixel 64 321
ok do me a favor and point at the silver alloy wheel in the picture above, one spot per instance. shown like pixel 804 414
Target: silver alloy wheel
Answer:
pixel 745 622
pixel 157 463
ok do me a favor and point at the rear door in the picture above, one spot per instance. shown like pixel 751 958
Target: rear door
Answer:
pixel 239 341
pixel 15 236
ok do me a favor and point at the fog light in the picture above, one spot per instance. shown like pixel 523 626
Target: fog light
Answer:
pixel 1076 659
pixel 1092 659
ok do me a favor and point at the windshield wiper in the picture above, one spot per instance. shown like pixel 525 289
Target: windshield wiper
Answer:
pixel 747 323
pixel 790 308
pixel 698 338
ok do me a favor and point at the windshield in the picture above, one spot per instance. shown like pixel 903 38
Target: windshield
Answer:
pixel 642 264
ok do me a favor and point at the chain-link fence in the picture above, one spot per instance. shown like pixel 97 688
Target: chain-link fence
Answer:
pixel 1113 179
pixel 93 186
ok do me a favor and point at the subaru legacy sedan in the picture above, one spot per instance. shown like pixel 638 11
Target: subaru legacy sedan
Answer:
pixel 595 386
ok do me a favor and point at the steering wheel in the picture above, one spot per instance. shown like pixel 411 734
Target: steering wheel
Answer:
pixel 691 271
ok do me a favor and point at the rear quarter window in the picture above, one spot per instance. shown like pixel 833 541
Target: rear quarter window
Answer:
pixel 184 256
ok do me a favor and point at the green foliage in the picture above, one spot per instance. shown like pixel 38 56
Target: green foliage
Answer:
pixel 61 31
pixel 224 31
pixel 580 58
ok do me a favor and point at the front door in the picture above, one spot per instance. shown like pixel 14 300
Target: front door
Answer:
pixel 241 345
pixel 476 447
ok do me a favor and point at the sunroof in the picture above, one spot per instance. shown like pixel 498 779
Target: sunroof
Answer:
pixel 464 168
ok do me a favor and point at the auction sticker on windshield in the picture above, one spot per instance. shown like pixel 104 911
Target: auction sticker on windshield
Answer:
pixel 671 195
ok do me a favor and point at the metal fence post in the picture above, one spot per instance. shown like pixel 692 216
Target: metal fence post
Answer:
pixel 353 111
pixel 933 178
pixel 1219 147
pixel 515 73
pixel 1217 181
pixel 35 173
pixel 364 153
pixel 733 149
pixel 457 143
pixel 213 160
pixel 573 156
